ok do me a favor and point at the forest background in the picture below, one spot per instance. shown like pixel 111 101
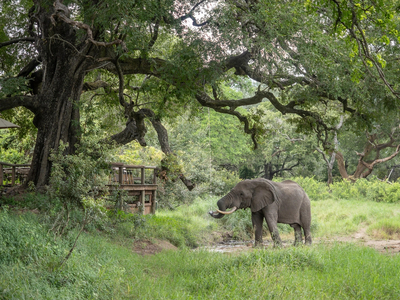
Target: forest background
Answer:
pixel 310 83
pixel 210 92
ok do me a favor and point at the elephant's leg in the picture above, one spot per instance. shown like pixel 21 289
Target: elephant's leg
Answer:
pixel 257 220
pixel 307 234
pixel 272 221
pixel 298 236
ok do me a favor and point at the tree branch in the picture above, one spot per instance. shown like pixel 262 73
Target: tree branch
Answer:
pixel 29 102
pixel 15 41
pixel 190 15
pixel 30 67
pixel 62 12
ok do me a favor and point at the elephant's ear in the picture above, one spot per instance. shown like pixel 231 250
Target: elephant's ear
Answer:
pixel 262 196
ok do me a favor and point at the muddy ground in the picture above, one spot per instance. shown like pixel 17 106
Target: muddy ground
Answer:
pixel 226 245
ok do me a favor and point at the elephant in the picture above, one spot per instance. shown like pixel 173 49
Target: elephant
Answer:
pixel 278 202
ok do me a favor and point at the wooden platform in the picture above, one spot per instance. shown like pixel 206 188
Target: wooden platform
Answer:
pixel 13 174
pixel 137 184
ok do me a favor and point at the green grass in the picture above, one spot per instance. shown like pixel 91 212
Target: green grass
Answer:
pixel 101 269
pixel 385 229
pixel 344 217
pixel 104 265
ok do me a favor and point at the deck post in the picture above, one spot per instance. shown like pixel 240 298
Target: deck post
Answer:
pixel 143 193
pixel 13 176
pixel 154 176
pixel 120 175
pixel 143 200
pixel 154 198
pixel 153 204
pixel 142 175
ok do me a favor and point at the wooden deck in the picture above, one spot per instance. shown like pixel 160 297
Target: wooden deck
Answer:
pixel 13 174
pixel 137 183
pixel 140 185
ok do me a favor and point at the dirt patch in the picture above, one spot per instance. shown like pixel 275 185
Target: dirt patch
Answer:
pixel 388 246
pixel 361 237
pixel 149 247
pixel 224 244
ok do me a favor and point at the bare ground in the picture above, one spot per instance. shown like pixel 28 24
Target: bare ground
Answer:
pixel 148 247
pixel 225 245
pixel 390 246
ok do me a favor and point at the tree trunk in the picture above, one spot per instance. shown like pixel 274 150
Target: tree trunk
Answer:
pixel 268 173
pixel 58 121
pixel 341 165
pixel 58 116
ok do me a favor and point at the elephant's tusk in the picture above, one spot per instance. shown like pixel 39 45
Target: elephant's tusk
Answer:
pixel 227 212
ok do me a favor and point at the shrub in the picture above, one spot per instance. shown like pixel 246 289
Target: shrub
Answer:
pixel 367 189
pixel 315 189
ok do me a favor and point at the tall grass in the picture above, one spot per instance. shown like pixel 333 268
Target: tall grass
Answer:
pixel 104 265
pixel 100 269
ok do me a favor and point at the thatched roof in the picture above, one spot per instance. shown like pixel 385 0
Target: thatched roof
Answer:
pixel 6 124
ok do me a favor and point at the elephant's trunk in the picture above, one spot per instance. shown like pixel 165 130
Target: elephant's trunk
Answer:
pixel 223 204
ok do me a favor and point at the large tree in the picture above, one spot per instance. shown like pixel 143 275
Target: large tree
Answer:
pixel 158 58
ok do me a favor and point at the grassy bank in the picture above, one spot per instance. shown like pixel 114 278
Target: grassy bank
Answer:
pixel 104 265
pixel 101 269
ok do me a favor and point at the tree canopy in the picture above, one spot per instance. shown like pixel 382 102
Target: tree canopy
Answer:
pixel 145 61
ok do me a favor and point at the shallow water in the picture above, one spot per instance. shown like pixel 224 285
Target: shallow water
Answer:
pixel 232 246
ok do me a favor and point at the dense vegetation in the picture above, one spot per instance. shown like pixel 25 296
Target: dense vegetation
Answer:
pixel 104 265
pixel 110 71
pixel 211 92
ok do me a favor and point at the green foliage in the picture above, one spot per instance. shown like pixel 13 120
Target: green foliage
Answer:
pixel 222 181
pixel 12 86
pixel 316 190
pixel 16 144
pixel 134 154
pixel 363 189
pixel 77 177
pixel 374 190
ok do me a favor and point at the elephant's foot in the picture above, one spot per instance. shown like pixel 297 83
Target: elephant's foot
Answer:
pixel 298 236
pixel 276 239
pixel 258 244
pixel 297 243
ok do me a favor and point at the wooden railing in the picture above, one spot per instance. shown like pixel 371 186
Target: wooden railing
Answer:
pixel 140 189
pixel 139 183
pixel 13 174
pixel 127 174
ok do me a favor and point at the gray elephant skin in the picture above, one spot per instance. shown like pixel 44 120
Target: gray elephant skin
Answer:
pixel 276 202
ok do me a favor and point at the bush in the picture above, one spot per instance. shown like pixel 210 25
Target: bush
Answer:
pixel 75 177
pixel 315 189
pixel 364 189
